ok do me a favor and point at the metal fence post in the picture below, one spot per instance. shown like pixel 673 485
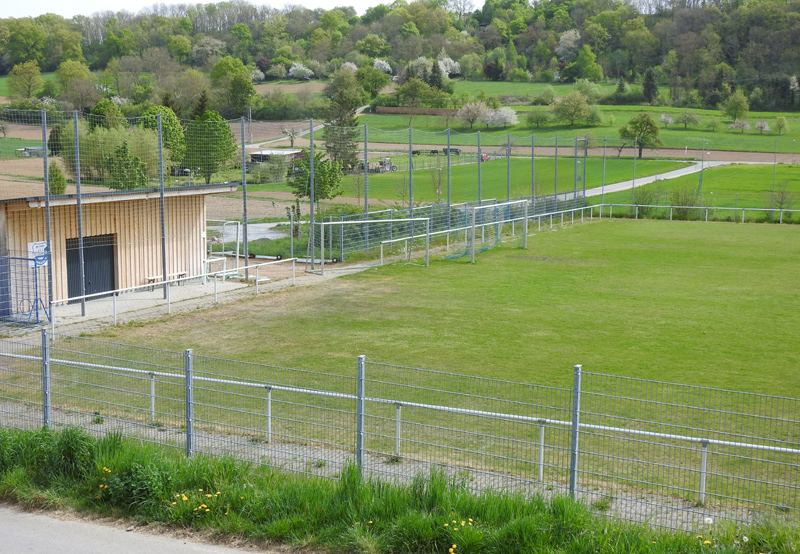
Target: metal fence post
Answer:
pixel 187 367
pixel 480 181
pixel 576 416
pixel 313 192
pixel 152 397
pixel 269 414
pixel 244 208
pixel 397 419
pixel 508 166
pixel 411 176
pixel 79 207
pixel 45 378
pixel 541 451
pixel 360 414
pixel 703 472
pixel 47 218
pixel 161 204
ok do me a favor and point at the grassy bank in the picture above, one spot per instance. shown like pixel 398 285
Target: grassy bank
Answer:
pixel 112 477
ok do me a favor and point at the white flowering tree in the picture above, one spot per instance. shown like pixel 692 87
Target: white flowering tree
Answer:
pixel 472 112
pixel 350 65
pixel 383 65
pixel 299 71
pixel 739 125
pixel 763 126
pixel 502 117
pixel 257 75
pixel 449 67
pixel 665 119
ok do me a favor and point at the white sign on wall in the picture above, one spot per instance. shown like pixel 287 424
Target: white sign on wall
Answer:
pixel 37 253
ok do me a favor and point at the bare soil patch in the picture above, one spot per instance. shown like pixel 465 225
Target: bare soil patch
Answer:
pixel 292 88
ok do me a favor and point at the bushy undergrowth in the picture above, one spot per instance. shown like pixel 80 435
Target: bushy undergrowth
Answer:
pixel 433 514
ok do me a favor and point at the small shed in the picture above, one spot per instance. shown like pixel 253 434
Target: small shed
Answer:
pixel 262 156
pixel 122 242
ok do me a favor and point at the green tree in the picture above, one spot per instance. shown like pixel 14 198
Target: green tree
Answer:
pixel 687 118
pixel 25 79
pixel 227 67
pixel 210 144
pixel 125 171
pixel 781 125
pixel 372 80
pixel 650 87
pixel 238 93
pixel 571 107
pixel 171 131
pixel 106 114
pixel 57 183
pixel 373 46
pixel 585 66
pixel 328 177
pixel 736 106
pixel 180 47
pixel 340 132
pixel 72 70
pixel 55 142
pixel 644 130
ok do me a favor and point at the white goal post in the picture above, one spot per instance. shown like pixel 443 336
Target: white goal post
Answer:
pixel 500 213
pixel 324 224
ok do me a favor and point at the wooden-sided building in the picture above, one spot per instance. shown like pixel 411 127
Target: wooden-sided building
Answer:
pixel 122 242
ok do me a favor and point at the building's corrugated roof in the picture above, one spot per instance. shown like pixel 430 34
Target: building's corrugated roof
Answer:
pixel 122 195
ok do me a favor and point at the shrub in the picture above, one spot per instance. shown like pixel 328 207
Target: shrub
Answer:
pixel 57 181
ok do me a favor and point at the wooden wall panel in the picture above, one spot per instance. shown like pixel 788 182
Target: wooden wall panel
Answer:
pixel 136 226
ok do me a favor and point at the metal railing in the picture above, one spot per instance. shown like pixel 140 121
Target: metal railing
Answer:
pixel 643 454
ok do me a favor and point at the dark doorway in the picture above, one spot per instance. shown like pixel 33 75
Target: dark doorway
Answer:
pixel 98 265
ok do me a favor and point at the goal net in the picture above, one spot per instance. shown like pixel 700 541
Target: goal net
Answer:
pixel 487 225
pixel 388 238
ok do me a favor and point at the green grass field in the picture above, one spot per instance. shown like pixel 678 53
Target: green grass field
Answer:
pixel 706 304
pixel 738 185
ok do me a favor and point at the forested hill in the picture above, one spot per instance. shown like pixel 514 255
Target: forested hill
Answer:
pixel 703 52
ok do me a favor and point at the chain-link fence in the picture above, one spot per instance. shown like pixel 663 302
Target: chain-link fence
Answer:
pixel 660 453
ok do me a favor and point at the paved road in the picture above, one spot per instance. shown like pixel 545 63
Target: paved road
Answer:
pixel 23 532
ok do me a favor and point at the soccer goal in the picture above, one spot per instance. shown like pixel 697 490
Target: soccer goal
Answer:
pixel 485 226
pixel 381 232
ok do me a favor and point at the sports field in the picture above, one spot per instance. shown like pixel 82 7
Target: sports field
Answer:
pixel 714 304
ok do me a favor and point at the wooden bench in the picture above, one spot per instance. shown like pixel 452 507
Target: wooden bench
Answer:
pixel 153 279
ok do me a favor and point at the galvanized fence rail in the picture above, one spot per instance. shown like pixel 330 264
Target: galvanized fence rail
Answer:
pixel 666 454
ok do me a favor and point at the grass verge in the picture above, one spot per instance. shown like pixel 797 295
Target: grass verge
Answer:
pixel 110 476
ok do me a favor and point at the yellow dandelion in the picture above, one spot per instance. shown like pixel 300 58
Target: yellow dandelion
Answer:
pixel 218 493
pixel 455 528
pixel 203 506
pixel 699 536
pixel 208 510
pixel 194 510
pixel 184 498
pixel 454 521
pixel 470 520
pixel 357 523
pixel 446 524
pixel 451 551
pixel 241 498
pixel 177 496
pixel 453 546
pixel 463 523
pixel 369 522
pixel 201 490
pixel 706 542
pixel 174 503
pixel 209 495
pixel 226 513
